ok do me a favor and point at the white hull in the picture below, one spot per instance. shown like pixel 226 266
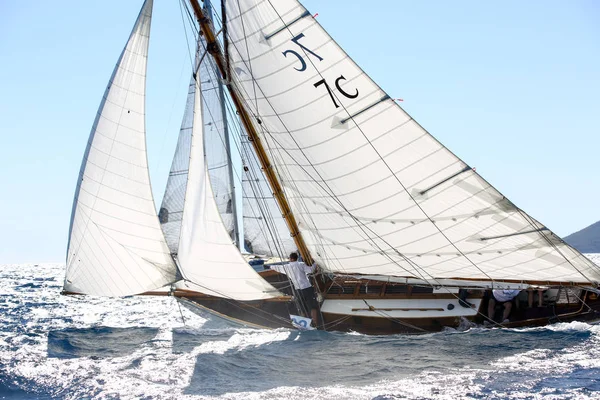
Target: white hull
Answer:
pixel 400 308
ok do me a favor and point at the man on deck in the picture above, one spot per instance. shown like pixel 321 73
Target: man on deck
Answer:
pixel 505 298
pixel 296 272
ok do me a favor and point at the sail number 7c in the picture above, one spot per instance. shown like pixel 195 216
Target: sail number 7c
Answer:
pixel 296 40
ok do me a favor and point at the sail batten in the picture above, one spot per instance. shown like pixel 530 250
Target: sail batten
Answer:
pixel 349 159
pixel 116 246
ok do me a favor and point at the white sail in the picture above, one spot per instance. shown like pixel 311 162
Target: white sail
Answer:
pixel 207 257
pixel 116 246
pixel 215 142
pixel 171 208
pixel 374 192
pixel 265 229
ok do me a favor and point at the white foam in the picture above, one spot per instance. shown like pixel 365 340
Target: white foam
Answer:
pixel 158 372
pixel 153 371
pixel 574 326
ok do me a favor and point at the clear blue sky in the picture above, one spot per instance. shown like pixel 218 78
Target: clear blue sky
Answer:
pixel 511 87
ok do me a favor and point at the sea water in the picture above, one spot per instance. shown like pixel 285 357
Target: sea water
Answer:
pixel 54 346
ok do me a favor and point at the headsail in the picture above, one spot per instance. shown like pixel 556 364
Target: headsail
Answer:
pixel 171 208
pixel 208 259
pixel 265 230
pixel 116 246
pixel 373 191
pixel 216 143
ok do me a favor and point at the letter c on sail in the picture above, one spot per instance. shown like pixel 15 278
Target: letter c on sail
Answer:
pixel 299 58
pixel 342 91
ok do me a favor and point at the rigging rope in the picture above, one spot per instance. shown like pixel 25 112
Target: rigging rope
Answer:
pixel 552 244
pixel 191 21
pixel 180 311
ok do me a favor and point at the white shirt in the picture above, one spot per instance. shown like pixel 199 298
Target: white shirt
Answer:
pixel 296 271
pixel 505 295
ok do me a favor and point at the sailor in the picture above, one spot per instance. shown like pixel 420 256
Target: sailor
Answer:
pixel 296 272
pixel 503 297
pixel 540 293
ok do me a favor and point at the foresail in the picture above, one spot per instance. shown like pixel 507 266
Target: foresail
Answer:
pixel 116 246
pixel 265 230
pixel 207 257
pixel 216 141
pixel 217 158
pixel 374 192
pixel 171 208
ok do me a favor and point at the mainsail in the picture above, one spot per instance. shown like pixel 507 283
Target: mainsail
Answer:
pixel 374 192
pixel 116 246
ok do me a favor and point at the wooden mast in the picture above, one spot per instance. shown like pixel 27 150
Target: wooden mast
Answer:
pixel 214 49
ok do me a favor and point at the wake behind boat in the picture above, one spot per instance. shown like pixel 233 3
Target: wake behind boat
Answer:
pixel 406 236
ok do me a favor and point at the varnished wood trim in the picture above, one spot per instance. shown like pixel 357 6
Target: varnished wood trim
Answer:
pixel 267 273
pixel 203 296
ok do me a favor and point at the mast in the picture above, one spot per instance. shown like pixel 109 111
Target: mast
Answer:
pixel 236 233
pixel 215 51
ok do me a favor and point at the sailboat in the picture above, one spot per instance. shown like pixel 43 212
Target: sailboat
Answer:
pixel 407 237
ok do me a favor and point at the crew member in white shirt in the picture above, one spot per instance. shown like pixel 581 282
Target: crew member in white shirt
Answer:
pixel 296 272
pixel 504 297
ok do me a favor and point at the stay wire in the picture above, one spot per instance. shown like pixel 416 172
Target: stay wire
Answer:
pixel 180 311
pixel 550 242
pixel 249 66
pixel 183 5
pixel 260 197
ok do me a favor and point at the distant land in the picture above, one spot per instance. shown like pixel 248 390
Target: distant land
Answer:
pixel 586 240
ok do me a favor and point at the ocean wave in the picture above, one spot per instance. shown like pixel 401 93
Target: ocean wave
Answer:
pixel 54 346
